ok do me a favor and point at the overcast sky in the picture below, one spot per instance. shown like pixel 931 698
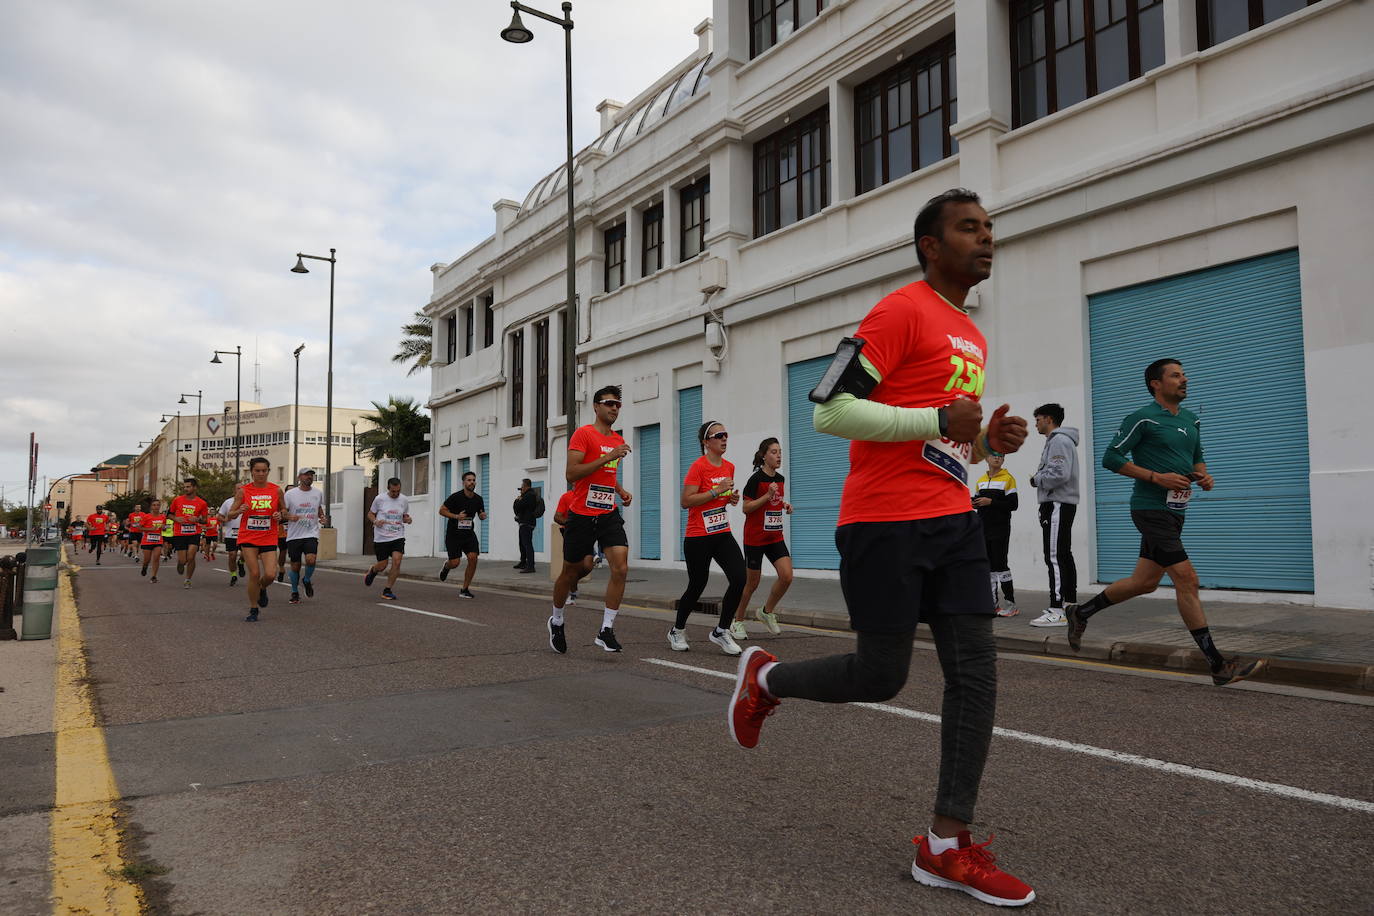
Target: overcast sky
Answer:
pixel 163 162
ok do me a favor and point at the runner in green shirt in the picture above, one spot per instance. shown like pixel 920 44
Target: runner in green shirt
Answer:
pixel 1160 448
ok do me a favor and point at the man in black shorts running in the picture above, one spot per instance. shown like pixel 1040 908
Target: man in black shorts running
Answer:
pixel 463 510
pixel 1160 448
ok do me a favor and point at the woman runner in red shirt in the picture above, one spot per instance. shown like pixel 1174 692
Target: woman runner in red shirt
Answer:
pixel 764 508
pixel 260 503
pixel 150 524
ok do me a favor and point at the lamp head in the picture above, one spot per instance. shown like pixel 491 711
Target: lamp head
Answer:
pixel 516 33
pixel 215 359
pixel 300 267
pixel 183 399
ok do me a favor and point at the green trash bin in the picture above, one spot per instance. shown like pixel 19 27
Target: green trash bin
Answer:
pixel 40 592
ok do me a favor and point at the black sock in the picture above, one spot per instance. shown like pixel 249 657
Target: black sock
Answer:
pixel 1101 602
pixel 1203 638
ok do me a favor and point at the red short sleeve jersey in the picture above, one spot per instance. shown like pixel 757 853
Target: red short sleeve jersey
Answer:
pixel 258 523
pixel 152 529
pixel 595 493
pixel 95 524
pixel 712 517
pixel 564 503
pixel 764 526
pixel 928 353
pixel 185 510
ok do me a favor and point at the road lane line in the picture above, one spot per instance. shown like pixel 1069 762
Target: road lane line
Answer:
pixel 1180 769
pixel 415 610
pixel 86 859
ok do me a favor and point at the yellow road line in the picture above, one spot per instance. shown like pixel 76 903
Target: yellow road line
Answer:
pixel 86 856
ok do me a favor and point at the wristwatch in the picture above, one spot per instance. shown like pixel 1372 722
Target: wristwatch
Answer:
pixel 944 422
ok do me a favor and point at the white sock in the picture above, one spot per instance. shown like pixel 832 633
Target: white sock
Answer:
pixel 763 678
pixel 557 616
pixel 938 844
pixel 608 618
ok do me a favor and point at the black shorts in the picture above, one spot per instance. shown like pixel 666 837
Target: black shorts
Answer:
pixel 299 547
pixel 385 549
pixel 1161 536
pixel 185 541
pixel 753 556
pixel 158 546
pixel 894 574
pixel 96 539
pixel 231 544
pixel 461 541
pixel 584 532
pixel 208 539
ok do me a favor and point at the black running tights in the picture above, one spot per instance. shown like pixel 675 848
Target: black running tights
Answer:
pixel 699 552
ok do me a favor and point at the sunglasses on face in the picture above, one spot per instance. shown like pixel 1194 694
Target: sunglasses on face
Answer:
pixel 721 436
pixel 612 404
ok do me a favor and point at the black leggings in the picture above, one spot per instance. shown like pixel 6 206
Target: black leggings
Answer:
pixel 699 552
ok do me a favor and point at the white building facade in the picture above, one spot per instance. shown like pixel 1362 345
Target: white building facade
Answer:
pixel 1176 178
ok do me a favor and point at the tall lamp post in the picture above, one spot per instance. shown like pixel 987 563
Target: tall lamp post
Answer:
pixel 300 268
pixel 296 414
pixel 176 447
pixel 516 33
pixel 237 353
pixel 198 396
pixel 355 441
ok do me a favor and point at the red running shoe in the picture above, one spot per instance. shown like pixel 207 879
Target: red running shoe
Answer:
pixel 749 705
pixel 971 869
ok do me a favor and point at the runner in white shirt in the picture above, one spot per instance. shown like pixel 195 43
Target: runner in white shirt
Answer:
pixel 389 515
pixel 304 515
pixel 230 527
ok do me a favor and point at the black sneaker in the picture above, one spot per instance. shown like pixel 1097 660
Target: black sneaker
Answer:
pixel 606 640
pixel 295 598
pixel 368 579
pixel 252 616
pixel 233 580
pixel 143 571
pixel 527 569
pixel 464 593
pixel 242 571
pixel 518 566
pixel 1077 624
pixel 281 575
pixel 557 641
pixel 309 589
pixel 443 573
pixel 262 597
pixel 388 594
pixel 1236 670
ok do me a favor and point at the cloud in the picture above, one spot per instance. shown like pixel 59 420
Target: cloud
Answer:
pixel 165 161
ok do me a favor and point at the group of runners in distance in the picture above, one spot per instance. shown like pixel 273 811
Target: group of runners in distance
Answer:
pixel 911 544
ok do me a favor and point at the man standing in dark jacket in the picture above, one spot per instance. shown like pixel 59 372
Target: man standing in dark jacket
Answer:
pixel 528 507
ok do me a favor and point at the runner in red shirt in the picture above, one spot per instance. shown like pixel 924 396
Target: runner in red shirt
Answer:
pixel 150 524
pixel 98 530
pixel 189 513
pixel 211 537
pixel 133 529
pixel 594 453
pixel 911 546
pixel 764 508
pixel 261 506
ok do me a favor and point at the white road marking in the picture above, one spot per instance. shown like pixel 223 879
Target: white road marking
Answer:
pixel 415 610
pixel 1179 769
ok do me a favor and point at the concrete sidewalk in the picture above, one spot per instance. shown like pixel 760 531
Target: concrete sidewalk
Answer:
pixel 1328 648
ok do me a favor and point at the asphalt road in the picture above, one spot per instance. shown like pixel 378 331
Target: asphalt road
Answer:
pixel 355 756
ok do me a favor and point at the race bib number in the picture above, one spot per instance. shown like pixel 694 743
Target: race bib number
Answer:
pixel 464 524
pixel 186 529
pixel 950 457
pixel 772 519
pixel 715 520
pixel 1178 499
pixel 152 538
pixel 600 496
pixel 258 523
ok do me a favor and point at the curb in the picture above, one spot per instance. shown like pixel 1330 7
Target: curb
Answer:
pixel 1294 672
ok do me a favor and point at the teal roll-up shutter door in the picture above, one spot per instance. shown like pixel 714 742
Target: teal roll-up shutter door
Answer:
pixel 538 487
pixel 649 499
pixel 688 449
pixel 484 491
pixel 815 466
pixel 1237 330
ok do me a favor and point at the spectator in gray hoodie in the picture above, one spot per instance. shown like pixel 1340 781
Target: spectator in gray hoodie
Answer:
pixel 1056 488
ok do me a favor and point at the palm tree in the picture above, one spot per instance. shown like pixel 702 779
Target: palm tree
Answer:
pixel 417 337
pixel 398 430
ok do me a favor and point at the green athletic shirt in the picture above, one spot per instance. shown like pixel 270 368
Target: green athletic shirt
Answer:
pixel 1159 441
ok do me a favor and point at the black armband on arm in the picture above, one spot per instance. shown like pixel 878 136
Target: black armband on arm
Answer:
pixel 845 374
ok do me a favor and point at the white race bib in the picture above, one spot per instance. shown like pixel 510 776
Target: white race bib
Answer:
pixel 715 520
pixel 259 523
pixel 772 519
pixel 465 524
pixel 600 496
pixel 152 538
pixel 1178 499
pixel 950 457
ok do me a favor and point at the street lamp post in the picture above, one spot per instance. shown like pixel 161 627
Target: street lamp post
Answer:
pixel 300 268
pixel 296 414
pixel 516 33
pixel 176 446
pixel 237 352
pixel 198 396
pixel 355 441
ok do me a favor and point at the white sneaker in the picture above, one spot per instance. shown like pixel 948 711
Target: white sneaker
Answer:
pixel 1053 617
pixel 677 640
pixel 769 620
pixel 1008 610
pixel 738 631
pixel 726 643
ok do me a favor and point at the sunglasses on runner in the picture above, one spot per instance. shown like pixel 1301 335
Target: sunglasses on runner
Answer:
pixel 614 404
pixel 721 436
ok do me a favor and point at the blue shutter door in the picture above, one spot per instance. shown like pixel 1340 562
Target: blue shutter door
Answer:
pixel 1237 330
pixel 649 499
pixel 815 466
pixel 688 449
pixel 484 491
pixel 445 480
pixel 538 487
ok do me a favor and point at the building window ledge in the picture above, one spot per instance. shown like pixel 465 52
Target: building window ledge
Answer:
pixel 515 432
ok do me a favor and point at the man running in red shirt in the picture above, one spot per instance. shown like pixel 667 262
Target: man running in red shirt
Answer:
pixel 97 529
pixel 188 513
pixel 911 546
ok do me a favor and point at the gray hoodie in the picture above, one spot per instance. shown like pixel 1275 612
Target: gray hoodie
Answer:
pixel 1056 480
